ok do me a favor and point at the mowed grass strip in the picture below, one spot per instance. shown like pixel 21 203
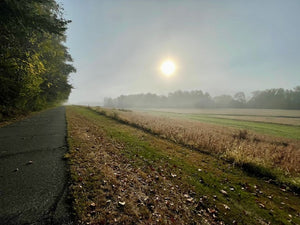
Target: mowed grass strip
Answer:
pixel 270 119
pixel 123 175
pixel 115 183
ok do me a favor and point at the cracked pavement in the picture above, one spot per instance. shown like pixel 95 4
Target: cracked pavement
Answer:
pixel 33 173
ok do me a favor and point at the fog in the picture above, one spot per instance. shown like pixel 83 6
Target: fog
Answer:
pixel 219 47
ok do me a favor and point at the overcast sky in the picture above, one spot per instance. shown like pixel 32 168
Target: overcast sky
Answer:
pixel 221 47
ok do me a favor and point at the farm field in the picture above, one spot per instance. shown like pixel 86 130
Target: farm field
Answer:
pixel 123 174
pixel 236 112
pixel 275 157
pixel 282 123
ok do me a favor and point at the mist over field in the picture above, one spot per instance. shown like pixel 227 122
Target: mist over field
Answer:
pixel 150 112
pixel 267 99
pixel 217 47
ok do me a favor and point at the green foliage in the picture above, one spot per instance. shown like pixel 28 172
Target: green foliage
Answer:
pixel 33 60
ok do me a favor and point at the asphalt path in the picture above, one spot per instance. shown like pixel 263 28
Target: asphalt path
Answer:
pixel 33 172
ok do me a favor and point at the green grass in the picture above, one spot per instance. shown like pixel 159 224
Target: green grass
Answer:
pixel 244 201
pixel 278 130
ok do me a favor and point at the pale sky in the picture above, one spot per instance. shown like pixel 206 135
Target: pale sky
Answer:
pixel 219 46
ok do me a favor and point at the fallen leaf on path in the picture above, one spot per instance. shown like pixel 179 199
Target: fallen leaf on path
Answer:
pixel 224 192
pixel 173 175
pixel 226 207
pixel 262 206
pixel 190 199
pixel 122 203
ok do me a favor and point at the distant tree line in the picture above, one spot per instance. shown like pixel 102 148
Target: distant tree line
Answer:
pixel 267 99
pixel 34 63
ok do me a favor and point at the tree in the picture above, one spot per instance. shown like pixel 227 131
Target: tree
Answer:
pixel 223 101
pixel 272 98
pixel 239 100
pixel 240 97
pixel 276 99
pixel 33 60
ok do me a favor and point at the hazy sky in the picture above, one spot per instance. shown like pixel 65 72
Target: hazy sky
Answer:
pixel 219 46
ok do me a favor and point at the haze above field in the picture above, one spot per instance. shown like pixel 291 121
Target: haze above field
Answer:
pixel 217 46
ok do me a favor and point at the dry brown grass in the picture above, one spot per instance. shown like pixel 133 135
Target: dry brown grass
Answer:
pixel 237 145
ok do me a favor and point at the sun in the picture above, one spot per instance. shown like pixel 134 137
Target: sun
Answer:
pixel 168 67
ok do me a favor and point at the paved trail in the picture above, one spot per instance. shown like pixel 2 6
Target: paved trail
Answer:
pixel 34 193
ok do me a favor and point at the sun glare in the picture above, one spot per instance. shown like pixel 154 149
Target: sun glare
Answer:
pixel 168 67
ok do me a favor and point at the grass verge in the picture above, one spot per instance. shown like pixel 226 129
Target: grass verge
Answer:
pixel 123 175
